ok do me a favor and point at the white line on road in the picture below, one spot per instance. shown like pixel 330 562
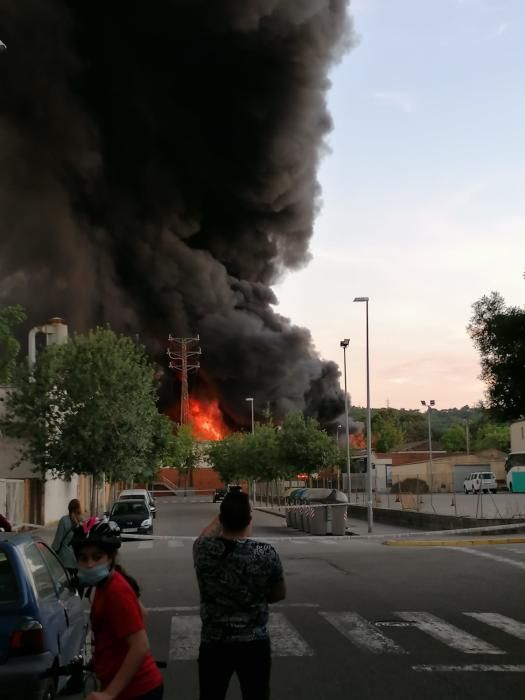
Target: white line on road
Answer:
pixel 362 633
pixel 501 622
pixel 186 630
pixel 448 634
pixel 471 668
pixel 286 640
pixel 493 557
pixel 147 544
pixel 175 544
pixel 185 635
pixel 193 608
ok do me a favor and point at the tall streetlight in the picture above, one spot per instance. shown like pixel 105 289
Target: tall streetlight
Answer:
pixel 339 470
pixel 429 406
pixel 253 432
pixel 368 422
pixel 253 422
pixel 344 344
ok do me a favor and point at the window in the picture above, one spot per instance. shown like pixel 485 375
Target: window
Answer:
pixel 42 579
pixel 8 583
pixel 58 573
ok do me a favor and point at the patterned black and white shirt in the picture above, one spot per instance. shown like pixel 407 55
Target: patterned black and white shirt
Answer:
pixel 235 578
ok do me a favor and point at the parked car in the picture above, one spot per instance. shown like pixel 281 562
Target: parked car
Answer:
pixel 42 619
pixel 219 495
pixel 134 494
pixel 132 517
pixel 480 481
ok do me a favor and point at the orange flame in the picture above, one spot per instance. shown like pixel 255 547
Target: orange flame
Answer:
pixel 206 420
pixel 358 441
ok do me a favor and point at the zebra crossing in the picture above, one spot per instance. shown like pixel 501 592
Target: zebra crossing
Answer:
pixel 368 636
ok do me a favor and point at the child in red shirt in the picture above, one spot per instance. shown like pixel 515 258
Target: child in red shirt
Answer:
pixel 122 659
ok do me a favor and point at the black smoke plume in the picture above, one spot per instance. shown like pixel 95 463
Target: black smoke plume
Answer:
pixel 158 173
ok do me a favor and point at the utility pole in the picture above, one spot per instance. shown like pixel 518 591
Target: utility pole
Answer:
pixel 182 353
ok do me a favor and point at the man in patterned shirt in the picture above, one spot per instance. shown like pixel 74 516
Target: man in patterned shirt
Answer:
pixel 238 577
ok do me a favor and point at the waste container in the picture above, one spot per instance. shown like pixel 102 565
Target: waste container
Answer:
pixel 302 513
pixel 327 520
pixel 290 511
pixel 296 512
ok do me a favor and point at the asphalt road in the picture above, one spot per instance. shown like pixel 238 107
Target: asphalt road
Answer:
pixel 362 620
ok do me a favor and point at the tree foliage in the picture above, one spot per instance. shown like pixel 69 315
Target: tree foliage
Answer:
pixel 299 445
pixel 492 436
pixel 10 317
pixel 89 407
pixel 454 439
pixel 498 333
pixel 386 428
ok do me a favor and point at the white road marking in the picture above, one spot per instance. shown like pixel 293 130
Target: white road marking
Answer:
pixel 493 557
pixel 501 622
pixel 146 544
pixel 362 633
pixel 185 635
pixel 186 629
pixel 286 640
pixel 175 544
pixel 472 668
pixel 448 634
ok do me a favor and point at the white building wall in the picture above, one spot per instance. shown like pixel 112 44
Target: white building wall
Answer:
pixel 57 494
pixel 517 436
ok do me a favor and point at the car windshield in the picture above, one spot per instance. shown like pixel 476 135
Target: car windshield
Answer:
pixel 487 475
pixel 132 497
pixel 8 582
pixel 130 508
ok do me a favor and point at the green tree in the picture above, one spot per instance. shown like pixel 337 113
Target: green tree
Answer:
pixel 89 407
pixel 454 439
pixel 263 456
pixel 498 333
pixel 185 452
pixel 10 317
pixel 387 430
pixel 492 436
pixel 229 458
pixel 304 447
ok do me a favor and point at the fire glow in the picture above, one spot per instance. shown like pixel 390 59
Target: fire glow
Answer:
pixel 206 420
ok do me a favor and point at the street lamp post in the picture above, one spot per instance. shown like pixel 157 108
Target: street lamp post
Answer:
pixel 339 470
pixel 429 406
pixel 344 344
pixel 250 399
pixel 368 422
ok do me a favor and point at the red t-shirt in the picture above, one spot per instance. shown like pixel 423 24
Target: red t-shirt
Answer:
pixel 115 615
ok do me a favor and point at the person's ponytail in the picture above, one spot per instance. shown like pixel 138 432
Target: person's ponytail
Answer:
pixel 132 581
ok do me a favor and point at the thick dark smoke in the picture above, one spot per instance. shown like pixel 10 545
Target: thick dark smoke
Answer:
pixel 158 172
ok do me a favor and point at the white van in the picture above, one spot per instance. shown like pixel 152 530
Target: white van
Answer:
pixel 480 481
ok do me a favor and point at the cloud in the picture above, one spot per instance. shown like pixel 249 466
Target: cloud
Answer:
pixel 397 99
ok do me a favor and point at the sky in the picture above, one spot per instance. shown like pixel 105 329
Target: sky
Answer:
pixel 423 206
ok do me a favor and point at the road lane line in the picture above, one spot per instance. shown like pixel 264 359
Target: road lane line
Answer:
pixel 362 633
pixel 493 557
pixel 501 622
pixel 147 544
pixel 448 634
pixel 286 640
pixel 175 544
pixel 471 668
pixel 185 635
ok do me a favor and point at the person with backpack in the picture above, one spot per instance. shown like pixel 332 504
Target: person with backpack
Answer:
pixel 238 577
pixel 121 653
pixel 64 534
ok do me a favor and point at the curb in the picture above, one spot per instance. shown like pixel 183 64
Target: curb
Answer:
pixel 454 543
pixel 270 512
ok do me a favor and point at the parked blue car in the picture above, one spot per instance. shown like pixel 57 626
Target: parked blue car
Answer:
pixel 42 620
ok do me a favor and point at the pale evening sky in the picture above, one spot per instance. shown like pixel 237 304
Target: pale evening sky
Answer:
pixel 423 196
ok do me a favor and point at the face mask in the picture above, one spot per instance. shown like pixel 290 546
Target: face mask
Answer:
pixel 94 576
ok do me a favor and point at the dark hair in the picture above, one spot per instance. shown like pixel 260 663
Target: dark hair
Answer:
pixel 74 506
pixel 236 512
pixel 132 581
